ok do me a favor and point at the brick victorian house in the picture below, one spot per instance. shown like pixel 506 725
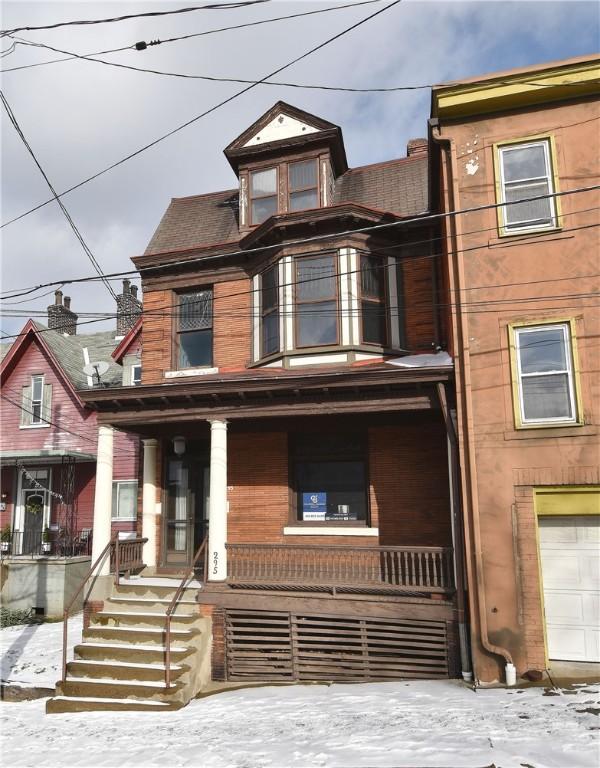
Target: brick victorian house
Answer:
pixel 292 381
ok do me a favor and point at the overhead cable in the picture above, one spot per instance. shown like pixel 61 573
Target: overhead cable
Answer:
pixel 212 109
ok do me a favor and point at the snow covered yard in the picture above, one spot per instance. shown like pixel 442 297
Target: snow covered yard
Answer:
pixel 400 724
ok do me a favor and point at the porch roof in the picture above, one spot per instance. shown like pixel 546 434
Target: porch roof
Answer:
pixel 257 393
pixel 50 455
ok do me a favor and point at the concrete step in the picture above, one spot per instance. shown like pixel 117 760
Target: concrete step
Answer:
pixel 59 704
pixel 109 688
pixel 134 652
pixel 119 670
pixel 140 618
pixel 134 634
pixel 160 587
pixel 149 603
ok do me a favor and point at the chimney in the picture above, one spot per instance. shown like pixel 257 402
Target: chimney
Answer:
pixel 416 148
pixel 129 308
pixel 61 317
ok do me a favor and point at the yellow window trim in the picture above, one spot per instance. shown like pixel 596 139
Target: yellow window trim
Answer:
pixel 515 384
pixel 500 210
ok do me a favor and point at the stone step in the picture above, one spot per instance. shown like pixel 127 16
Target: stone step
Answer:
pixel 134 634
pixel 109 688
pixel 140 618
pixel 135 652
pixel 96 704
pixel 118 670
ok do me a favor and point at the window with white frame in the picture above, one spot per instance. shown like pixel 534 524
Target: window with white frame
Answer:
pixel 124 500
pixel 546 383
pixel 36 403
pixel 526 173
pixel 263 195
pixel 136 374
pixel 270 311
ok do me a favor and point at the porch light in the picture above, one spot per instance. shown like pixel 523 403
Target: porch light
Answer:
pixel 179 445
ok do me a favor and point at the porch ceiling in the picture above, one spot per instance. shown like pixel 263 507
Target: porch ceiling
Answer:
pixel 243 397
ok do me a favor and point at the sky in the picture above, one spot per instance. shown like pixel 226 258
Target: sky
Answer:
pixel 80 117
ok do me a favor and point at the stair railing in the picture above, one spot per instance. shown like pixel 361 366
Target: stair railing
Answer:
pixel 109 548
pixel 173 604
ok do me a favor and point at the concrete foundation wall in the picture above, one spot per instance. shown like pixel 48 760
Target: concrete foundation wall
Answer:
pixel 44 583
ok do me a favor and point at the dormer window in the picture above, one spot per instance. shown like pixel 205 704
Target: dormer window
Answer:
pixel 303 185
pixel 263 195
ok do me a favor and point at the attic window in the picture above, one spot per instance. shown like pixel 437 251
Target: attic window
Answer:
pixel 303 185
pixel 263 194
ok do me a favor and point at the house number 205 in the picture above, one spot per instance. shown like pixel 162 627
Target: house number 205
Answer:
pixel 215 562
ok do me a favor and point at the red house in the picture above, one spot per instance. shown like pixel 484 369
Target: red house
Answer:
pixel 48 443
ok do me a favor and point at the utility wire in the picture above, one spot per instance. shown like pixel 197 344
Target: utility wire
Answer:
pixel 214 79
pixel 212 109
pixel 142 45
pixel 87 22
pixel 72 224
pixel 420 219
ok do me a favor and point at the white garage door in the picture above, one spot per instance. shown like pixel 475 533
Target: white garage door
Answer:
pixel 570 551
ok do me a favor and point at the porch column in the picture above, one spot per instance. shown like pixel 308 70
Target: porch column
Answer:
pixel 149 501
pixel 103 496
pixel 217 519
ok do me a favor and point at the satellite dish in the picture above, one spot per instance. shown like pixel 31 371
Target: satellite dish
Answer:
pixel 97 369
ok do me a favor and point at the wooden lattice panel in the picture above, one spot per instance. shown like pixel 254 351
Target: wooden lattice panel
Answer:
pixel 291 646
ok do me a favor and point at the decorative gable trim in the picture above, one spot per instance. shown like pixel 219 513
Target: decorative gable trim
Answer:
pixel 124 345
pixel 281 127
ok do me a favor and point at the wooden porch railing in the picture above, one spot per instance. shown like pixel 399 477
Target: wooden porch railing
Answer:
pixel 402 569
pixel 126 555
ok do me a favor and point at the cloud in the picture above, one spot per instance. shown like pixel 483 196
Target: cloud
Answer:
pixel 80 116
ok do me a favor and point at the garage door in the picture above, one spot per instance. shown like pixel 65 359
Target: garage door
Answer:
pixel 570 552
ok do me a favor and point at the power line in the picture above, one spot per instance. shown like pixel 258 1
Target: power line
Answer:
pixel 211 109
pixel 419 219
pixel 87 22
pixel 72 224
pixel 142 45
pixel 215 79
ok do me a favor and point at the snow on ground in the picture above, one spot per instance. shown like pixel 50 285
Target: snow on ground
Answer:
pixel 32 653
pixel 414 724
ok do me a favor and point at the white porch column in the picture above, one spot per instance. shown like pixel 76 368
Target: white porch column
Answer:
pixel 103 496
pixel 149 501
pixel 217 519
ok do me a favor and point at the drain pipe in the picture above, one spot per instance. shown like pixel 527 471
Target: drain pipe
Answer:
pixel 456 278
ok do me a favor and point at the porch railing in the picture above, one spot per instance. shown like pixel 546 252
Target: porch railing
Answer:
pixel 56 543
pixel 402 569
pixel 126 556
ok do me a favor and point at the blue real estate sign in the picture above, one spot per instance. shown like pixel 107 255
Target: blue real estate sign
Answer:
pixel 314 506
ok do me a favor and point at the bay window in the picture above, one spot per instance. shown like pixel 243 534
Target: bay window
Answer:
pixel 194 329
pixel 526 172
pixel 372 300
pixel 270 311
pixel 316 301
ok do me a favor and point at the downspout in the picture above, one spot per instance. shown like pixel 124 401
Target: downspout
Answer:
pixel 462 341
pixel 457 534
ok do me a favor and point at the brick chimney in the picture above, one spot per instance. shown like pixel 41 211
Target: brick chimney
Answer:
pixel 129 308
pixel 61 317
pixel 416 147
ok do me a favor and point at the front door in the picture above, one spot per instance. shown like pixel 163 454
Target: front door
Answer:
pixel 186 509
pixel 34 509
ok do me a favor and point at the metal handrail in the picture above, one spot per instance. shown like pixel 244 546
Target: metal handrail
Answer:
pixel 173 604
pixel 67 610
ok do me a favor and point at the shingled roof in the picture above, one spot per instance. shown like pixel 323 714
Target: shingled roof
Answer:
pixel 68 351
pixel 396 186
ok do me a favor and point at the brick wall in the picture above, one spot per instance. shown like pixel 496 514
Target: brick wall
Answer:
pixel 409 492
pixel 156 351
pixel 232 324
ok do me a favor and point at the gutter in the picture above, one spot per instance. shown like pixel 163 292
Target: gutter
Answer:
pixel 465 397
